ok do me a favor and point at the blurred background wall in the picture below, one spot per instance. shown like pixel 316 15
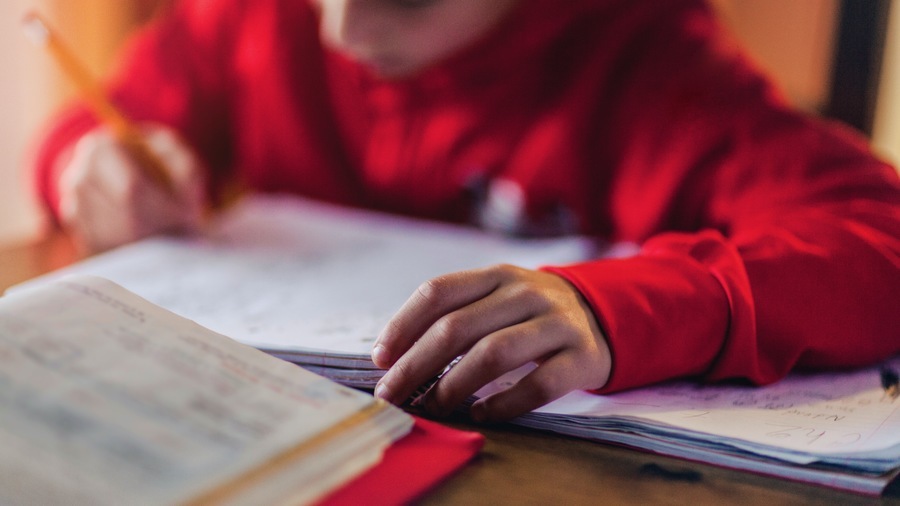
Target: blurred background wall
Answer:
pixel 32 88
pixel 886 121
pixel 795 41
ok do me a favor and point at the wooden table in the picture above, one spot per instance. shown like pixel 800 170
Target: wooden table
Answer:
pixel 522 466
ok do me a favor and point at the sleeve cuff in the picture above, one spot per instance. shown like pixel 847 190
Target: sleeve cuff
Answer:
pixel 664 316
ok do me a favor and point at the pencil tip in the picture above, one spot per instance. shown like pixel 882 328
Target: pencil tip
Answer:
pixel 35 28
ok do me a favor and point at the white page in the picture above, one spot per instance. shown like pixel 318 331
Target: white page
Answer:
pixel 284 273
pixel 110 400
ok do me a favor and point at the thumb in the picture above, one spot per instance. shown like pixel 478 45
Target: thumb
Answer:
pixel 184 168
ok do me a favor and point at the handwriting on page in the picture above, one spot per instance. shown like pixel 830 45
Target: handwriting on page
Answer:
pixel 289 274
pixel 137 394
pixel 103 298
pixel 806 412
pixel 796 418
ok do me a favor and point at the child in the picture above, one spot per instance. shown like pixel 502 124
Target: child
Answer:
pixel 770 241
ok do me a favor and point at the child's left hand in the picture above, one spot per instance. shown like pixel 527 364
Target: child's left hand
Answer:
pixel 500 318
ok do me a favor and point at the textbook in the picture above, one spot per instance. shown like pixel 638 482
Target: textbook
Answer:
pixel 110 399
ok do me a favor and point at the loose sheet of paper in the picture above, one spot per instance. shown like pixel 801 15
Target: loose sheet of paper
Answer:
pixel 109 400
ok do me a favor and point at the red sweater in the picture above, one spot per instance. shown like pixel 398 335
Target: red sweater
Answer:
pixel 769 240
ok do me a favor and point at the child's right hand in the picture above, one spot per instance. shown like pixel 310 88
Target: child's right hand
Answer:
pixel 106 200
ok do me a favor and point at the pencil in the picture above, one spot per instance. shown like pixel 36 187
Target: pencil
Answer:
pixel 122 128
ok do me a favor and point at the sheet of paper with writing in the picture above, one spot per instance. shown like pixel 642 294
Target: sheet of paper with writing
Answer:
pixel 108 399
pixel 290 275
pixel 839 429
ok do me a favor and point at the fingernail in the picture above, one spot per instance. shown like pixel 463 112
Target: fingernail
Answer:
pixel 382 392
pixel 380 355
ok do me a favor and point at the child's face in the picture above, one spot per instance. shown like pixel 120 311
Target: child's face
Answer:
pixel 397 38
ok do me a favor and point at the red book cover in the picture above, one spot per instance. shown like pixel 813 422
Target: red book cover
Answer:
pixel 426 456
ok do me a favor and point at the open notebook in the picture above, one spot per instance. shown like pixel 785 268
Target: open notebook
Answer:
pixel 109 399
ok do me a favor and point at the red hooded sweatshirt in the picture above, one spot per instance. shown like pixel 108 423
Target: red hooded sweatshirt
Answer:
pixel 769 240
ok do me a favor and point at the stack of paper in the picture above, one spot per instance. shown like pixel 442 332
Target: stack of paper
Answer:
pixel 835 429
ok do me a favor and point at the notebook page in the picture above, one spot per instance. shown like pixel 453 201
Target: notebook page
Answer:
pixel 110 400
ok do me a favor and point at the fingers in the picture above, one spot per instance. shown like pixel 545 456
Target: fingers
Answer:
pixel 504 350
pixel 159 209
pixel 178 159
pixel 432 300
pixel 500 318
pixel 106 200
pixel 556 377
pixel 91 190
pixel 553 340
pixel 450 335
